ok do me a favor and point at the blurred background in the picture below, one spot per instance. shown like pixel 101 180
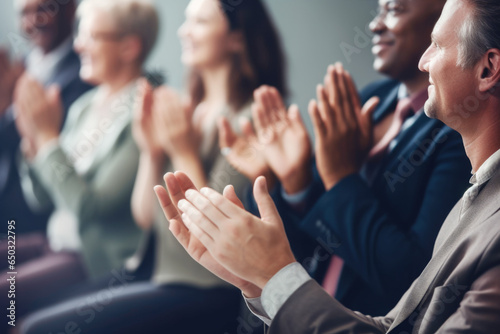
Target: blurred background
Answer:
pixel 315 33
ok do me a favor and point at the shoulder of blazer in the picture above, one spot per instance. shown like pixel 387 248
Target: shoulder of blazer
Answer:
pixel 380 88
pixel 387 91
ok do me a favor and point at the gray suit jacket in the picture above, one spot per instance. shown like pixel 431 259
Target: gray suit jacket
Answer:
pixel 458 291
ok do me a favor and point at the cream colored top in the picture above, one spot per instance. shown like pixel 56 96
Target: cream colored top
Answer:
pixel 172 263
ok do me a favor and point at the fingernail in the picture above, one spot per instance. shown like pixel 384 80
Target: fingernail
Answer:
pixel 204 191
pixel 189 193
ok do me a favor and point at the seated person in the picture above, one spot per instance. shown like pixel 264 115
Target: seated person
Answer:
pixel 52 60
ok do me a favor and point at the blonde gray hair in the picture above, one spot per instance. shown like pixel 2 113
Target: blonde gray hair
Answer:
pixel 132 17
pixel 479 32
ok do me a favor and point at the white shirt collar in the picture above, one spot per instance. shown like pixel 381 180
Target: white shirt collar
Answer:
pixel 487 170
pixel 42 66
pixel 402 92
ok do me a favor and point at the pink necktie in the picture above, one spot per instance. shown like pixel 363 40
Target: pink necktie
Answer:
pixel 403 110
pixel 332 276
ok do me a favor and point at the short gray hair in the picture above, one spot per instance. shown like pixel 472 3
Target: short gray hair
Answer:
pixel 132 17
pixel 479 32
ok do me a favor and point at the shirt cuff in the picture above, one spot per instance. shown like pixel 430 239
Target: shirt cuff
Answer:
pixel 281 286
pixel 255 306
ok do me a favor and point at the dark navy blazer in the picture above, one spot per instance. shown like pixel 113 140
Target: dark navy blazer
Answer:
pixel 384 231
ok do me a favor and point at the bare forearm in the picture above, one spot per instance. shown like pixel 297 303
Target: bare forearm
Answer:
pixel 190 164
pixel 143 197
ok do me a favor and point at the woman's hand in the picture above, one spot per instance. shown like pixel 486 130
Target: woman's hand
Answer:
pixel 174 124
pixel 144 128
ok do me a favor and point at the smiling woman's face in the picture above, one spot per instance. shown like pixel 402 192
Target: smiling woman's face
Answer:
pixel 204 35
pixel 99 45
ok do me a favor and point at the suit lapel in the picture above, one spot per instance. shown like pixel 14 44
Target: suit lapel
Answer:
pixel 66 70
pixel 485 205
pixel 387 106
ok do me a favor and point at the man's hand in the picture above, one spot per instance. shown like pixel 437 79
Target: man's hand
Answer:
pixel 251 248
pixel 9 74
pixel 177 185
pixel 283 138
pixel 342 128
pixel 41 109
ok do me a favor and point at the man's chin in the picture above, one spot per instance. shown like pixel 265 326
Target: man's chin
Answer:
pixel 382 66
pixel 430 109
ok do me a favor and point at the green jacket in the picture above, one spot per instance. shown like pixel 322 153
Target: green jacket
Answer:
pixel 99 197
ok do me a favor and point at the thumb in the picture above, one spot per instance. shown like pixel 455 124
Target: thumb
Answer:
pixel 267 208
pixel 294 116
pixel 247 128
pixel 367 113
pixel 230 194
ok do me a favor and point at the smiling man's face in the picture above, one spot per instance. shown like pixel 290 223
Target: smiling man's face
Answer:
pixel 451 85
pixel 402 33
pixel 46 23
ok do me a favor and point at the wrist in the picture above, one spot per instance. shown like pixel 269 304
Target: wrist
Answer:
pixel 45 138
pixel 262 280
pixel 156 157
pixel 297 180
pixel 251 291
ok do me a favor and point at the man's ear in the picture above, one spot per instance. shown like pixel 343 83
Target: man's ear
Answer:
pixel 490 71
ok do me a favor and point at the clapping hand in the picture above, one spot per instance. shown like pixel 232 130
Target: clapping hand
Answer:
pixel 144 128
pixel 284 138
pixel 244 151
pixel 177 184
pixel 173 119
pixel 280 145
pixel 40 111
pixel 343 129
pixel 9 74
pixel 218 233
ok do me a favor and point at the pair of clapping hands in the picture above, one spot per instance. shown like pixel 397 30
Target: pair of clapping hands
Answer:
pixel 280 146
pixel 39 114
pixel 162 121
pixel 38 111
pixel 216 231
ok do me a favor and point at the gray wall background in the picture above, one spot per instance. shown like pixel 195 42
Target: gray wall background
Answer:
pixel 314 34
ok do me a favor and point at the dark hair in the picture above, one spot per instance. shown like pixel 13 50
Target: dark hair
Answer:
pixel 479 32
pixel 263 61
